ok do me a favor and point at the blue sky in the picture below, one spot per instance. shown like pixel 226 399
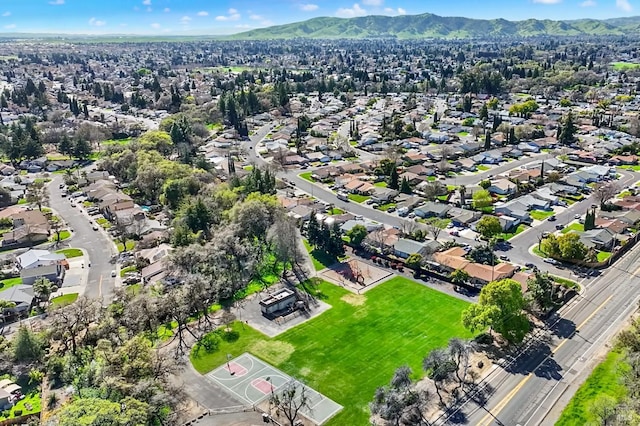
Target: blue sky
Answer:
pixel 229 16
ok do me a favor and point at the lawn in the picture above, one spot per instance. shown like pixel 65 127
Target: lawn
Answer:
pixel 386 207
pixel 65 299
pixel 335 211
pixel 70 252
pixel 307 176
pixel 125 141
pixel 358 198
pixel 483 168
pixel 605 380
pixel 603 255
pixel 541 214
pixel 10 282
pixel 31 404
pixel 509 235
pixel 577 227
pixel 623 66
pixel 130 245
pixel 64 234
pixel 635 168
pixel 124 271
pixel 353 348
pixel 319 258
pixel 381 184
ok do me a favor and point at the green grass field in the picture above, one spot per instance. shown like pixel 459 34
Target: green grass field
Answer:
pixel 358 198
pixel 10 282
pixel 540 214
pixel 64 234
pixel 623 66
pixel 307 176
pixel 354 347
pixel 381 184
pixel 603 255
pixel 483 168
pixel 509 235
pixel 70 252
pixel 605 380
pixel 64 300
pixel 130 245
pixel 578 227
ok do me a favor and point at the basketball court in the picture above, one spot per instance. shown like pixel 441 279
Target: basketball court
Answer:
pixel 252 381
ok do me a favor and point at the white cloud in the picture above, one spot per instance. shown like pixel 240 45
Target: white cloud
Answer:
pixel 166 10
pixel 156 26
pixel 547 1
pixel 624 5
pixel 373 2
pixel 232 16
pixel 588 3
pixel 10 26
pixel 146 2
pixel 56 2
pixel 309 7
pixel 256 17
pixel 243 26
pixel 392 11
pixel 97 22
pixel 7 13
pixel 351 12
pixel 203 13
pixel 185 20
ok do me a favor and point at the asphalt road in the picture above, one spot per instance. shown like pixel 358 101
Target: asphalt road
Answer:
pixel 97 244
pixel 533 388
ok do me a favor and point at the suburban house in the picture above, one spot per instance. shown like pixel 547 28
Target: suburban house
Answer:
pixel 382 239
pixel 432 209
pixel 29 227
pixel 36 264
pixel 383 195
pixel 502 187
pixel 405 247
pixel 453 259
pixel 514 208
pixel 600 239
pixel 22 295
pixel 154 272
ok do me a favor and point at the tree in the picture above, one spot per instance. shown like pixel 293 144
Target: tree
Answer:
pixel 27 346
pixel 487 141
pixel 82 149
pixel 460 350
pixel 414 261
pixel 405 187
pixel 590 220
pixel 604 192
pixel 439 367
pixel 290 399
pixel 97 411
pixel 357 234
pixel 459 276
pixel 38 194
pixel 571 247
pixel 462 190
pixel 393 179
pixel 567 130
pixel 482 199
pixel 42 288
pixel 489 226
pixel 284 237
pixel 540 290
pixel 435 225
pixel 500 307
pixel 400 403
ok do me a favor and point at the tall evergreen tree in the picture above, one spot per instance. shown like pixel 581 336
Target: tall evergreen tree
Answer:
pixel 393 179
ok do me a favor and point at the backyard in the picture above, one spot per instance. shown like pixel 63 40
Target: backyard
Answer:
pixel 353 348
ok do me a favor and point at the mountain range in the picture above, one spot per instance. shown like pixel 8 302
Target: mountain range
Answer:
pixel 427 25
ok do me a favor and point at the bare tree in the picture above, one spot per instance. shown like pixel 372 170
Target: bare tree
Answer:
pixel 70 323
pixel 289 400
pixel 284 237
pixel 38 194
pixel 435 226
pixel 605 191
pixel 408 227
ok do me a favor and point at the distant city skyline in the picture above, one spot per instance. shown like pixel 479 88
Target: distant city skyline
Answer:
pixel 202 17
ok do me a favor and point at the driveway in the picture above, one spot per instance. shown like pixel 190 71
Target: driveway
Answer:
pixel 96 244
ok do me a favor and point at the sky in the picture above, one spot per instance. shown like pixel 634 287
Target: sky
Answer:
pixel 216 17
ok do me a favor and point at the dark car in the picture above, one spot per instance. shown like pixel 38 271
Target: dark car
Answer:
pixel 530 265
pixel 559 227
pixel 552 218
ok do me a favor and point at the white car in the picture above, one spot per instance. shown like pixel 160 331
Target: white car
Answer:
pixel 113 274
pixel 551 261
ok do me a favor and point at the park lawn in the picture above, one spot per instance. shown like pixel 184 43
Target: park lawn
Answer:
pixel 307 176
pixel 604 380
pixel 350 350
pixel 129 246
pixel 509 235
pixel 541 214
pixel 70 252
pixel 381 184
pixel 483 168
pixel 603 255
pixel 65 299
pixel 319 258
pixel 358 198
pixel 577 227
pixel 10 282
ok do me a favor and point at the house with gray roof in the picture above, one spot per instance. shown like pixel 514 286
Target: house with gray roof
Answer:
pixel 405 247
pixel 432 209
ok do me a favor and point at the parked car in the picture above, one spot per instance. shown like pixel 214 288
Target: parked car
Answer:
pixel 95 227
pixel 530 265
pixel 578 216
pixel 504 257
pixel 552 218
pixel 559 227
pixel 391 209
pixel 113 274
pixel 551 261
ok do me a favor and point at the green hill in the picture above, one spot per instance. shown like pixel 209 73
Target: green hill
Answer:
pixel 428 25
